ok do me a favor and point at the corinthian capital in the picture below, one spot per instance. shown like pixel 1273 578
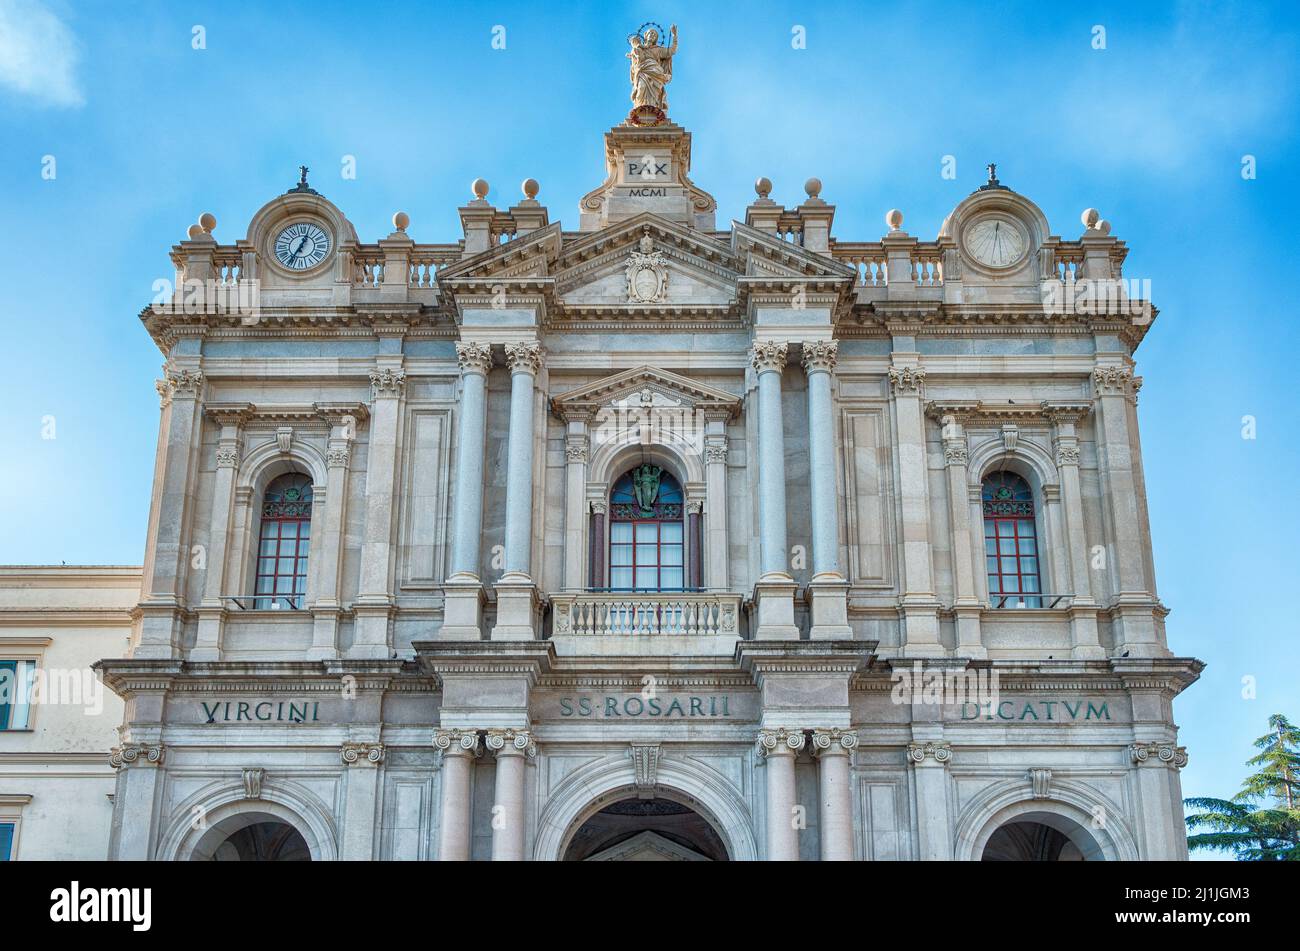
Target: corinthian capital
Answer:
pixel 524 358
pixel 907 379
pixel 386 382
pixel 457 742
pixel 511 742
pixel 827 742
pixel 769 355
pixel 1107 381
pixel 474 357
pixel 780 740
pixel 819 355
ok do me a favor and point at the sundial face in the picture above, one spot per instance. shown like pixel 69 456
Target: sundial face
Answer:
pixel 996 241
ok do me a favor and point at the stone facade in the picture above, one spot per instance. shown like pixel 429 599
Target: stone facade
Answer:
pixel 456 671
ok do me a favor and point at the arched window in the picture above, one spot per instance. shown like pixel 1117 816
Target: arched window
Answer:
pixel 1010 542
pixel 282 547
pixel 646 532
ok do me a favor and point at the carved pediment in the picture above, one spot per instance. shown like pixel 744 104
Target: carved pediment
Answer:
pixel 648 846
pixel 530 256
pixel 646 387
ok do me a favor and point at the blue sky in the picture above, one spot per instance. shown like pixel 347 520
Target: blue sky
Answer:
pixel 147 132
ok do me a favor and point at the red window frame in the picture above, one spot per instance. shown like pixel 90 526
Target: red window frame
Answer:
pixel 658 564
pixel 1001 566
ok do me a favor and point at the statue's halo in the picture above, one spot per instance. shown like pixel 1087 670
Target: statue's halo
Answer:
pixel 659 30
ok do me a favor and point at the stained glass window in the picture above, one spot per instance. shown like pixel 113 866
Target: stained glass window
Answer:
pixel 285 539
pixel 1011 542
pixel 646 532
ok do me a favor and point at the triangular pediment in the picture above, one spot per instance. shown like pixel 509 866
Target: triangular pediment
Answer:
pixel 765 255
pixel 645 386
pixel 648 846
pixel 529 256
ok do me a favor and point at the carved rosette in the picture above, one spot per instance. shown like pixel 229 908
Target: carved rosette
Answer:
pixel 941 753
pixel 456 742
pixel 769 355
pixel 365 754
pixel 907 380
pixel 833 742
pixel 1161 753
pixel 775 742
pixel 136 754
pixel 819 356
pixel 524 358
pixel 386 383
pixel 474 357
pixel 1041 781
pixel 510 742
pixel 253 777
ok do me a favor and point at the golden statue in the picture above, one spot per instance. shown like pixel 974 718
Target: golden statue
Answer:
pixel 652 68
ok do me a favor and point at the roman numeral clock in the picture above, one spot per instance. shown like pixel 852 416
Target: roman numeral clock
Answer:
pixel 301 246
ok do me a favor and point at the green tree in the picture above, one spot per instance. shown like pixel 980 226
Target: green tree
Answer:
pixel 1262 822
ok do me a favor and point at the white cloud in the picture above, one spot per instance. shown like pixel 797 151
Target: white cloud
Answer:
pixel 38 54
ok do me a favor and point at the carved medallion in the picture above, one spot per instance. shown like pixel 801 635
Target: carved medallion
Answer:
pixel 647 273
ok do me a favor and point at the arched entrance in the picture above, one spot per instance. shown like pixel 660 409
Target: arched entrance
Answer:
pixel 252 837
pixel 646 830
pixel 1041 837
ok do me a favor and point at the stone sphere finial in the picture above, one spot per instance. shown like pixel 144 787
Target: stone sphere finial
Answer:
pixel 531 188
pixel 194 231
pixel 401 220
pixel 894 218
pixel 479 188
pixel 763 187
pixel 1102 226
pixel 1090 217
pixel 813 187
pixel 207 221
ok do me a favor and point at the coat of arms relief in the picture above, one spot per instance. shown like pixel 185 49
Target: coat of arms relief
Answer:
pixel 647 273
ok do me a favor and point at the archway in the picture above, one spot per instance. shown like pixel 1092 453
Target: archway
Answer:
pixel 1041 837
pixel 646 830
pixel 252 836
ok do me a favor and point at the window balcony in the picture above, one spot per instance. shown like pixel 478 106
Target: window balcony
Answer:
pixel 644 614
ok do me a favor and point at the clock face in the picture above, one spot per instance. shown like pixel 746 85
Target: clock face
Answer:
pixel 996 241
pixel 301 246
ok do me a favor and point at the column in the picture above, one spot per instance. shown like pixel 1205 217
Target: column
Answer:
pixel 577 445
pixel 774 591
pixel 513 749
pixel 716 574
pixel 966 601
pixel 596 574
pixel 919 607
pixel 463 590
pixel 139 771
pixel 327 541
pixel 779 748
pixel 1083 607
pixel 166 553
pixel 517 601
pixel 834 749
pixel 695 552
pixel 929 761
pixel 458 751
pixel 212 610
pixel 1160 803
pixel 1135 629
pixel 374 604
pixel 361 779
pixel 828 590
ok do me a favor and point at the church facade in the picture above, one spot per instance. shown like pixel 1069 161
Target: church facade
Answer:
pixel 646 538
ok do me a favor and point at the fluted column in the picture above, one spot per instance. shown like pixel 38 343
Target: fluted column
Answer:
pixel 779 748
pixel 827 590
pixel 327 542
pixel 774 590
pixel 966 601
pixel 212 612
pixel 458 751
pixel 1083 607
pixel 577 447
pixel 166 554
pixel 833 749
pixel 919 607
pixel 463 590
pixel 517 599
pixel 525 361
pixel 374 603
pixel 513 749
